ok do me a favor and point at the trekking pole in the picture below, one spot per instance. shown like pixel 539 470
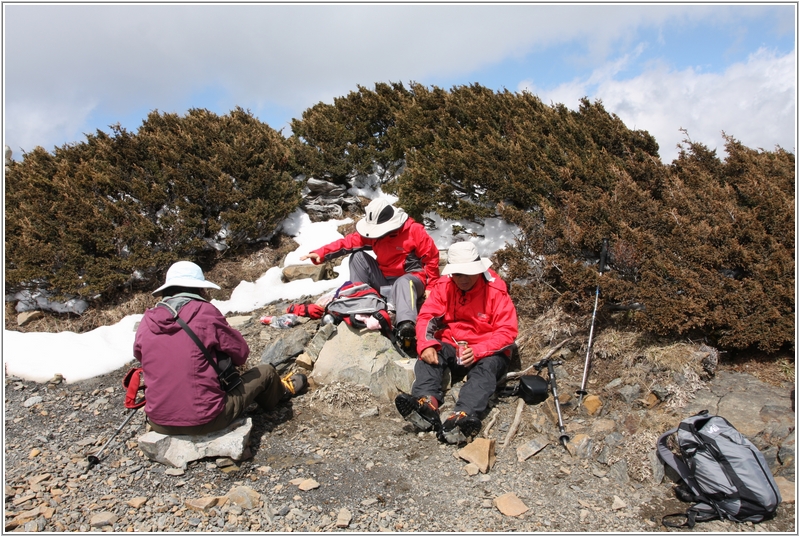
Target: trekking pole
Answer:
pixel 564 438
pixel 582 391
pixel 95 459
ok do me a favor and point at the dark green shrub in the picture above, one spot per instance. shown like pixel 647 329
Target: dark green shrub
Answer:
pixel 115 211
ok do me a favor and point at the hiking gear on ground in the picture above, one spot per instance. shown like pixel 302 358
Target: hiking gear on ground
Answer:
pixel 422 412
pixel 533 389
pixel 463 258
pixel 380 218
pixel 95 458
pixel 185 274
pixel 134 383
pixel 312 311
pixel 551 373
pixel 484 316
pixel 582 391
pixel 294 384
pixel 407 337
pixel 459 427
pixel 287 320
pixel 410 250
pixel 357 298
pixel 722 471
pixel 404 294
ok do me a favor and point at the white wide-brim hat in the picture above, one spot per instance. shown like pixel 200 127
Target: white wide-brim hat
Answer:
pixel 463 258
pixel 381 218
pixel 185 274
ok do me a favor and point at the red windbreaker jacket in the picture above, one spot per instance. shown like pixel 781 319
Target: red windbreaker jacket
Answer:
pixel 182 387
pixel 484 316
pixel 407 250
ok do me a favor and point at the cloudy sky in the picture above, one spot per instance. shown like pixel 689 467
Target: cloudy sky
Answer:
pixel 71 69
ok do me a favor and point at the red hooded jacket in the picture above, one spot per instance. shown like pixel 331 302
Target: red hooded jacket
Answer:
pixel 484 316
pixel 407 250
pixel 182 387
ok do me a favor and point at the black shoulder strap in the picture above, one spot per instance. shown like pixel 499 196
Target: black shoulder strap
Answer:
pixel 192 335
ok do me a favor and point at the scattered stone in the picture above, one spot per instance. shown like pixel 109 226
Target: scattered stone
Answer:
pixel 137 502
pixel 300 272
pixel 618 504
pixel 510 505
pixel 57 379
pixel 238 321
pixel 532 447
pixel 178 450
pixel 629 393
pixel 308 484
pixel 174 471
pixel 304 361
pixel 370 413
pixel 35 452
pixel 244 497
pixel 343 518
pixel 786 488
pixel 289 345
pixel 35 400
pixel 471 468
pixel 479 452
pixel 103 518
pixel 28 316
pixel 224 462
pixel 581 445
pixel 592 404
pixel 205 503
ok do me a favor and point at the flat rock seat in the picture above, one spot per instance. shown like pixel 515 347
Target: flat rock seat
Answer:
pixel 178 450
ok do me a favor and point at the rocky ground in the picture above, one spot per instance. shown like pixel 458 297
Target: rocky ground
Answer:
pixel 339 459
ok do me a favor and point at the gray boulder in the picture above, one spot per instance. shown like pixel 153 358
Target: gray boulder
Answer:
pixel 178 450
pixel 366 358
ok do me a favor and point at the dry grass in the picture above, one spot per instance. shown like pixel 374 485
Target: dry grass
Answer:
pixel 341 398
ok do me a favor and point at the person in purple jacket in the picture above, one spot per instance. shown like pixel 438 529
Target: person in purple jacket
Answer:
pixel 183 392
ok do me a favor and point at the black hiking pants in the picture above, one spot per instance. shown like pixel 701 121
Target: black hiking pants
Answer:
pixel 482 378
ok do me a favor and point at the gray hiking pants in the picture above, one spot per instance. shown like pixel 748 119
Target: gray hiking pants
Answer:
pixel 405 292
pixel 481 381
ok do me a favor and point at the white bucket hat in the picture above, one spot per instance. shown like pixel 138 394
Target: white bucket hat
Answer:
pixel 381 219
pixel 185 274
pixel 463 258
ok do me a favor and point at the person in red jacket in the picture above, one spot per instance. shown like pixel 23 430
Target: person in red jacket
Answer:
pixel 183 392
pixel 406 258
pixel 471 306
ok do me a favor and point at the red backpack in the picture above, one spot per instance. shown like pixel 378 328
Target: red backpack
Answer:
pixel 357 298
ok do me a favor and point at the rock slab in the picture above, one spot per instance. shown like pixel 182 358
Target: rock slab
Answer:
pixel 178 450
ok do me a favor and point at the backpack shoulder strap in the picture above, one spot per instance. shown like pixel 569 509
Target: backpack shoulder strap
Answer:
pixel 193 336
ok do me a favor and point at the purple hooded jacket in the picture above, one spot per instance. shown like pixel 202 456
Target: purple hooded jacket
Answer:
pixel 182 388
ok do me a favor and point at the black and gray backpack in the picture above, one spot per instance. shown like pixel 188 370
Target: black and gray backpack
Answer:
pixel 723 473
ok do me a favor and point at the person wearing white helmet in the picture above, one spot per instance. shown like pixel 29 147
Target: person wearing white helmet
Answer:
pixel 184 394
pixel 406 258
pixel 469 325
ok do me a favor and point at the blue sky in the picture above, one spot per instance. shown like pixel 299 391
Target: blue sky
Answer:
pixel 71 69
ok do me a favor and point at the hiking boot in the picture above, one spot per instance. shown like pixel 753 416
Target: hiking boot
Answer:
pixel 293 384
pixel 459 427
pixel 421 412
pixel 406 334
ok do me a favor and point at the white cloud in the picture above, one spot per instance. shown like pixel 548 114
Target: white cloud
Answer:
pixel 753 101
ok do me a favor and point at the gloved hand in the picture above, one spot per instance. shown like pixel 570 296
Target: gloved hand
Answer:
pixel 306 310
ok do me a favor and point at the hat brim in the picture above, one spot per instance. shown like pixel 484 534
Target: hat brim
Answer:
pixel 374 231
pixel 472 268
pixel 186 282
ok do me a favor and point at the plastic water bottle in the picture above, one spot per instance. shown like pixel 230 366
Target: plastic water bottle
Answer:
pixel 286 320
